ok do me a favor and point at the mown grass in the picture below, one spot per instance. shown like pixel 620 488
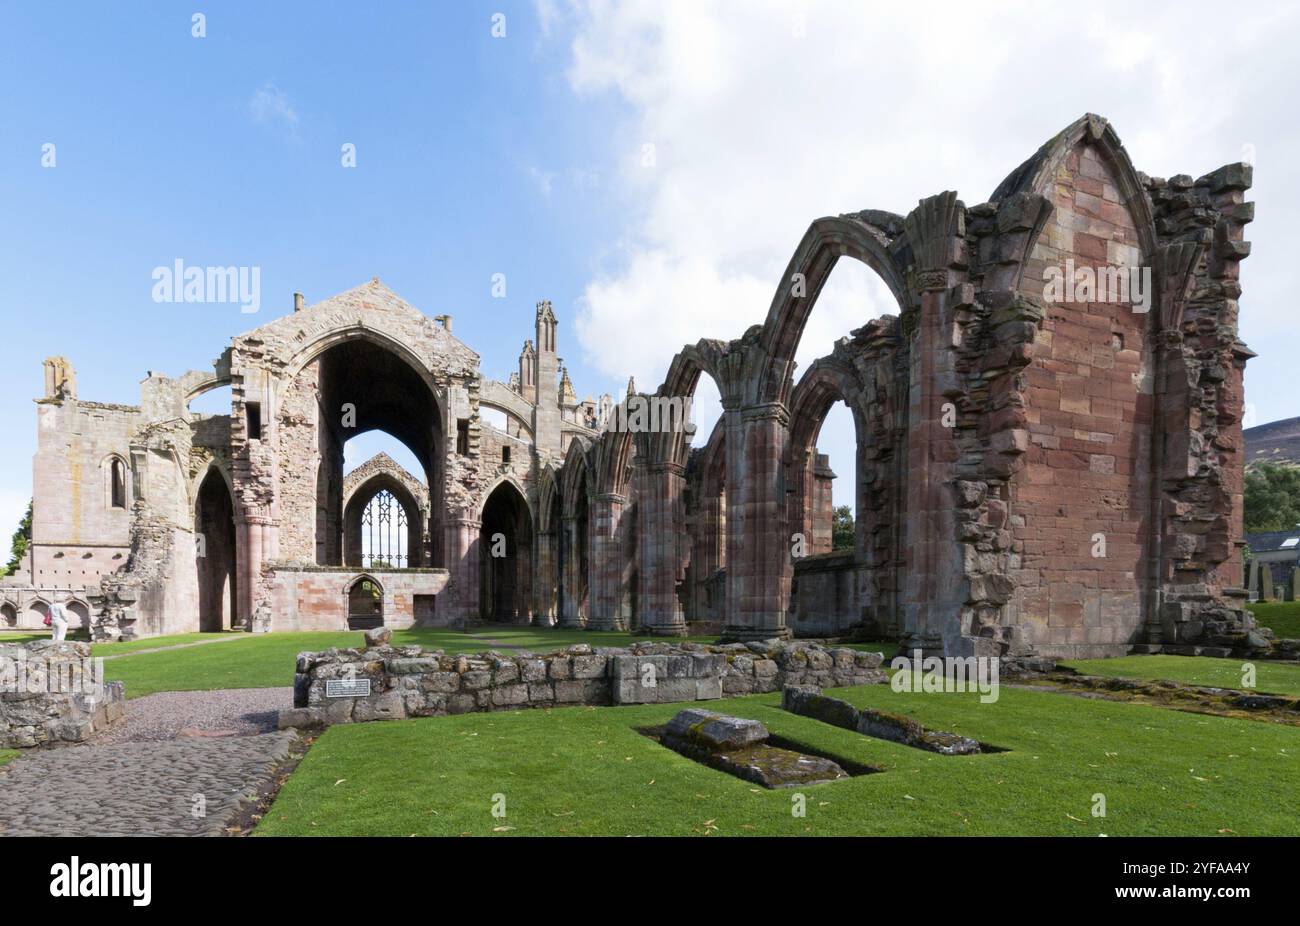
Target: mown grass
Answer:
pixel 267 660
pixel 588 771
pixel 1282 617
pixel 21 636
pixel 176 639
pixel 1270 677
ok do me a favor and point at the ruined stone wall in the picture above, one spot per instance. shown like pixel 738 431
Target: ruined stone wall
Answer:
pixel 1087 480
pixel 301 446
pixel 316 597
pixel 408 681
pixel 77 535
pixel 827 597
pixel 54 693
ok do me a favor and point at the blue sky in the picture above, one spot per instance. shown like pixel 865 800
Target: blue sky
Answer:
pixel 225 150
pixel 526 155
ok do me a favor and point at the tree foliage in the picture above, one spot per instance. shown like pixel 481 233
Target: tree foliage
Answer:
pixel 842 534
pixel 1272 498
pixel 22 539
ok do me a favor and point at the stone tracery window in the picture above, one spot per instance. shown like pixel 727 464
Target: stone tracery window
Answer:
pixel 384 532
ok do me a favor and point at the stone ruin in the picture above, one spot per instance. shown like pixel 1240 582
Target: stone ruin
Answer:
pixel 1041 469
pixel 53 693
pixel 741 747
pixel 808 701
pixel 384 682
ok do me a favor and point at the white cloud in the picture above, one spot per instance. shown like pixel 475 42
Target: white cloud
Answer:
pixel 271 106
pixel 765 116
pixel 544 179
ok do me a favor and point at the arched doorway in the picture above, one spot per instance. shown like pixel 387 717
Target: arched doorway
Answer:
pixel 214 553
pixel 505 557
pixel 365 604
pixel 8 615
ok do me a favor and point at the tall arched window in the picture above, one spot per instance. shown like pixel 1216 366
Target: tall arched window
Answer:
pixel 117 483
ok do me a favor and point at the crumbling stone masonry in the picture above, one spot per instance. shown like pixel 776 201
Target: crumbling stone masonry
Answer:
pixel 408 681
pixel 1039 470
pixel 49 694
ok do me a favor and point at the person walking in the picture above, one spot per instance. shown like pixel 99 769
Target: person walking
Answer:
pixel 59 619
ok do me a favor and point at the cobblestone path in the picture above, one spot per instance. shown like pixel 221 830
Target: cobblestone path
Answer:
pixel 194 786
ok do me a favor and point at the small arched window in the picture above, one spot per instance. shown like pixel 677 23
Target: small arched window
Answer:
pixel 117 483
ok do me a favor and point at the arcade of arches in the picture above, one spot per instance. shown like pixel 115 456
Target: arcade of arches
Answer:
pixel 998 430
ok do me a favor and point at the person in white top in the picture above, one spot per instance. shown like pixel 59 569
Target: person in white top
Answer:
pixel 59 618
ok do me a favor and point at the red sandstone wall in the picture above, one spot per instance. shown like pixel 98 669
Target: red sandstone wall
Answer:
pixel 1089 412
pixel 317 599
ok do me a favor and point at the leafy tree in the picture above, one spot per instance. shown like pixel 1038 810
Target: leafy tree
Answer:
pixel 842 534
pixel 22 539
pixel 1272 500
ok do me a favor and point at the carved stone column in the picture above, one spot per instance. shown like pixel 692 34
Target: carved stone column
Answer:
pixel 660 520
pixel 758 542
pixel 608 600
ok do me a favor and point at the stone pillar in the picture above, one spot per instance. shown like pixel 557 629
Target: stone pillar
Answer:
pixel 759 567
pixel 932 592
pixel 461 543
pixel 608 600
pixel 573 616
pixel 821 514
pixel 661 522
pixel 544 588
pixel 256 544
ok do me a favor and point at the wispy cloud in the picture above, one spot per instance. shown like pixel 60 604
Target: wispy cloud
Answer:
pixel 544 179
pixel 271 106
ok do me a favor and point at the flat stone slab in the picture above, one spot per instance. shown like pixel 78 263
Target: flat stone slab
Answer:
pixel 716 731
pixel 738 746
pixel 185 787
pixel 808 701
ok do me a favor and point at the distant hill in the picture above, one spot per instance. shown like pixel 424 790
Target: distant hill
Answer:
pixel 1275 442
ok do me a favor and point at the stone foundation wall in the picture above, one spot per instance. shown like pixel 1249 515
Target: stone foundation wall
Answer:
pixel 829 595
pixel 316 597
pixel 409 681
pixel 48 694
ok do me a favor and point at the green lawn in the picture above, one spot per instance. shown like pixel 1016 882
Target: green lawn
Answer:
pixel 267 660
pixel 1270 677
pixel 22 636
pixel 7 755
pixel 175 639
pixel 1282 617
pixel 587 771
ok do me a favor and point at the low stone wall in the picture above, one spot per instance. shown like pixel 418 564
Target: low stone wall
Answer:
pixel 828 597
pixel 316 597
pixel 384 682
pixel 54 693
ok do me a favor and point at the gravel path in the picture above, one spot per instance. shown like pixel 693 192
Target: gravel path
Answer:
pixel 186 787
pixel 169 715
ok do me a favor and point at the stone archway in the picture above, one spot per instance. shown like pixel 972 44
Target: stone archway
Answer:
pixel 383 518
pixel 505 556
pixel 365 604
pixel 214 529
pixel 8 615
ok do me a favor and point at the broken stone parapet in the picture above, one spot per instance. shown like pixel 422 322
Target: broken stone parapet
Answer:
pixel 54 692
pixel 384 682
pixel 808 701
